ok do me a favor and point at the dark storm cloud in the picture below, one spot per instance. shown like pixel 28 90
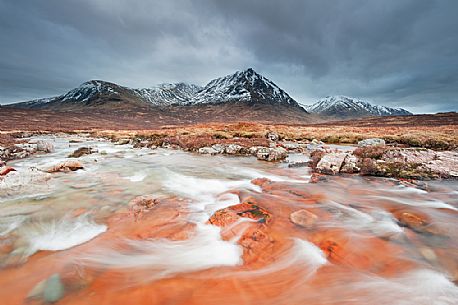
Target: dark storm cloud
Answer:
pixel 394 52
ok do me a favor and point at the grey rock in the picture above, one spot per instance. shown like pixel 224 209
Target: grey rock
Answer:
pixel 207 151
pixel 123 141
pixel 254 150
pixel 24 182
pixel 45 146
pixel 271 154
pixel 272 136
pixel 290 145
pixel 371 142
pixel 316 142
pixel 350 165
pixel 233 149
pixel 219 148
pixel 331 163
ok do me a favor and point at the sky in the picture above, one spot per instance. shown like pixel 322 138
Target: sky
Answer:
pixel 398 53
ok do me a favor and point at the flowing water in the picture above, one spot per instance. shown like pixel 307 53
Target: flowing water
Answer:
pixel 374 241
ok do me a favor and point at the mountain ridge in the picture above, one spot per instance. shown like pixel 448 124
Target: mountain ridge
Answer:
pixel 246 87
pixel 244 90
pixel 341 106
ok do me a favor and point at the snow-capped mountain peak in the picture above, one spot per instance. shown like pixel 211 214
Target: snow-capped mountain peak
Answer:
pixel 243 86
pixel 89 90
pixel 344 106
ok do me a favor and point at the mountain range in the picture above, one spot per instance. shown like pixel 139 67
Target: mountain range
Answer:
pixel 244 94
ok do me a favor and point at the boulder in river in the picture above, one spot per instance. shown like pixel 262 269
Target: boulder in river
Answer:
pixel 233 149
pixel 371 142
pixel 45 146
pixel 207 151
pixel 350 165
pixel 219 148
pixel 82 151
pixel 66 166
pixel 331 163
pixel 271 154
pixel 23 181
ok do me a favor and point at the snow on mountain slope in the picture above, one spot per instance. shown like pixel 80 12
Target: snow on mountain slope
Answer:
pixel 243 86
pixel 96 92
pixel 34 103
pixel 91 89
pixel 343 106
pixel 168 94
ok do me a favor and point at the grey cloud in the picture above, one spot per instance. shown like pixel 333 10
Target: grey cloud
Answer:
pixel 394 52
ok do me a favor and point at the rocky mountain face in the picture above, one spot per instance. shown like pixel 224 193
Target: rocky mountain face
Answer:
pixel 246 87
pixel 347 107
pixel 168 94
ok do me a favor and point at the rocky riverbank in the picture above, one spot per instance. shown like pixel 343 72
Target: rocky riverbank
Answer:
pixel 372 157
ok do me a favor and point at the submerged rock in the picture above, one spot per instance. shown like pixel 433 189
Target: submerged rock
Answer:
pixel 413 221
pixel 303 218
pixel 316 177
pixel 248 209
pixel 53 289
pixel 371 142
pixel 140 204
pixel 145 201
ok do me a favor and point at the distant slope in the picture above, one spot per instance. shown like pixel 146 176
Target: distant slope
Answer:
pixel 168 94
pixel 347 107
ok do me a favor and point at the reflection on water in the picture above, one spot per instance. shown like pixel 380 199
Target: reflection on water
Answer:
pixel 374 241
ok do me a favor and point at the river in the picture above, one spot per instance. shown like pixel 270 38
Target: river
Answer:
pixel 372 241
